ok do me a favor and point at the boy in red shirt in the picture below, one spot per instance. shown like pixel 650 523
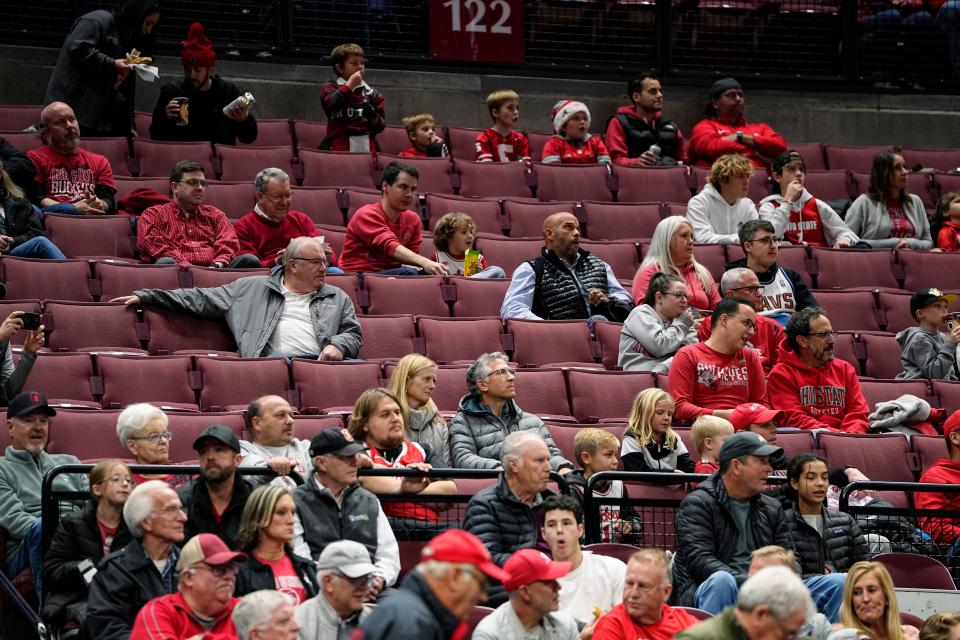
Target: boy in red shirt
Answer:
pixel 500 143
pixel 354 110
pixel 709 433
pixel 948 210
pixel 573 143
pixel 424 141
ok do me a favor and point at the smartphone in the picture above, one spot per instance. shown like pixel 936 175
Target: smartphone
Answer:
pixel 31 321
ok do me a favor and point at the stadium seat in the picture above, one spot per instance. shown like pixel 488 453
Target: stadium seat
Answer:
pixel 333 235
pixel 306 427
pixel 335 169
pixel 875 391
pixel 23 140
pixel 459 339
pixel 51 279
pixel 235 199
pixel 244 163
pixel 387 337
pixel 349 283
pixel 939 159
pixel 485 213
pixel 272 132
pixel 543 392
pixel 538 140
pixel 620 221
pixel 493 179
pixel 608 336
pixel 795 442
pixel 309 134
pixel 17 117
pixel 846 348
pixel 894 311
pixel 117 280
pixel 476 297
pixel 921 268
pixel 812 153
pixel 462 142
pixel 125 186
pixel 948 395
pixel 604 395
pixel 87 236
pixel 713 257
pixel 947 182
pixel 157 159
pixel 9 306
pixel 929 448
pixel 621 552
pixel 434 173
pixel 392 140
pixel 573 182
pixel 543 342
pixel 758 188
pixel 230 383
pixel 843 268
pixel 621 255
pixel 880 456
pixel 186 427
pixel 526 218
pixel 67 379
pixel 390 295
pixel 89 435
pixel 357 197
pixel 508 253
pixel 852 158
pixel 203 277
pixel 163 381
pixel 141 123
pixel 916 571
pixel 882 356
pixel 563 435
pixel 849 310
pixel 86 326
pixel 323 385
pixel 116 150
pixel 922 185
pixel 169 332
pixel 829 185
pixel 646 184
pixel 322 204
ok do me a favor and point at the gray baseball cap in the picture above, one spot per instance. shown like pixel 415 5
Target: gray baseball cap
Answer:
pixel 348 557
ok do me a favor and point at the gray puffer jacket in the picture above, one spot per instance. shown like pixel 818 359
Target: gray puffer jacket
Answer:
pixel 251 307
pixel 428 428
pixel 476 434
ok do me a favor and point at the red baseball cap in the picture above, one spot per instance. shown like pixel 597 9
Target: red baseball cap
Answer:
pixel 210 549
pixel 751 413
pixel 463 547
pixel 952 424
pixel 529 565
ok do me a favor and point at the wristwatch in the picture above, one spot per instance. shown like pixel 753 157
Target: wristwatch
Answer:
pixel 740 137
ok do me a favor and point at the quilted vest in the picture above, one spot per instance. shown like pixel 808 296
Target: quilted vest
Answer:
pixel 640 135
pixel 557 295
pixel 324 522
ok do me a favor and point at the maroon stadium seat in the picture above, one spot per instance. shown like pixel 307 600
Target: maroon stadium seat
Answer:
pixel 333 235
pixel 922 268
pixel 324 385
pixel 915 571
pixel 393 139
pixel 395 294
pixel 573 182
pixel 462 142
pixel 795 442
pixel 172 331
pixel 116 150
pixel 308 426
pixel 356 197
pixel 605 395
pixel 829 185
pixel 929 448
pixel 434 174
pixel 17 117
pixel 620 221
pixel 322 204
pixel 163 381
pixel 608 335
pixel 526 218
pixel 812 153
pixel 272 132
pixel 843 268
pixel 387 337
pixel 948 394
pixel 875 391
pixel 882 356
pixel 50 279
pixel 493 179
pixel 125 186
pixel 203 277
pixel 349 283
pixel 23 140
pixel 235 199
pixel 895 311
pixel 713 257
pixel 922 185
pixel 646 184
pixel 157 159
pixel 9 306
pixel 508 253
pixel 543 392
pixel 563 436
pixel 244 163
pixel 849 310
pixel 538 140
pixel 65 378
pixel 123 279
pixel 186 427
pixel 880 456
pixel 947 182
pixel 845 347
pixel 231 383
pixel 83 326
pixel 621 255
pixel 141 123
pixel 89 435
pixel 939 159
pixel 309 134
pixel 852 158
pixel 543 342
pixel 456 339
pixel 476 297
pixel 83 236
pixel 485 213
pixel 335 169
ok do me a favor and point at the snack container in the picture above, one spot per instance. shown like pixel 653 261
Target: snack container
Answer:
pixel 184 104
pixel 471 263
pixel 243 100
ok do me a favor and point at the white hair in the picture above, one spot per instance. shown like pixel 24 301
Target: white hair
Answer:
pixel 658 253
pixel 733 277
pixel 513 445
pixel 780 589
pixel 141 504
pixel 255 610
pixel 135 417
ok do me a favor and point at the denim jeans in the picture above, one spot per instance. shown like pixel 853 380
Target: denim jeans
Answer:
pixel 720 590
pixel 29 554
pixel 39 247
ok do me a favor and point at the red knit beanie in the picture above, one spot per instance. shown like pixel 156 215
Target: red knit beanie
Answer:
pixel 197 49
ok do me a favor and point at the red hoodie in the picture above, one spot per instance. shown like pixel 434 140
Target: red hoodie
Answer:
pixel 943 530
pixel 826 397
pixel 702 380
pixel 707 142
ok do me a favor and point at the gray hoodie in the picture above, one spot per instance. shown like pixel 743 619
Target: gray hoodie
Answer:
pixel 926 354
pixel 648 342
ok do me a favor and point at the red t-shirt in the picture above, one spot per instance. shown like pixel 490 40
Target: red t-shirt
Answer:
pixel 949 237
pixel 493 147
pixel 559 149
pixel 900 225
pixel 617 625
pixel 67 178
pixel 412 152
pixel 705 466
pixel 106 536
pixel 285 576
pixel 265 238
pixel 372 238
pixel 702 379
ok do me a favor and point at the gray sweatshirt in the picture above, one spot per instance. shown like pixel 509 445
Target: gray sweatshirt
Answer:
pixel 926 354
pixel 648 342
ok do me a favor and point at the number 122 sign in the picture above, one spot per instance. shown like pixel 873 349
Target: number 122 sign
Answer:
pixel 478 30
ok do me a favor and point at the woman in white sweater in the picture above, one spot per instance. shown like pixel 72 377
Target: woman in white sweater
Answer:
pixel 722 205
pixel 656 329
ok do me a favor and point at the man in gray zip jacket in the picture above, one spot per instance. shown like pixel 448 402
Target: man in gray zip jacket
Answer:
pixel 291 312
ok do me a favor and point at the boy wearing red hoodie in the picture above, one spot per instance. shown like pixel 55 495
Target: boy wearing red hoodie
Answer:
pixel 640 125
pixel 812 388
pixel 943 471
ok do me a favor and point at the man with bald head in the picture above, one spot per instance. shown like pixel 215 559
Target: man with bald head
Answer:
pixel 71 179
pixel 272 443
pixel 565 282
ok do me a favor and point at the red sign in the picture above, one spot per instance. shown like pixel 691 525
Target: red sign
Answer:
pixel 477 30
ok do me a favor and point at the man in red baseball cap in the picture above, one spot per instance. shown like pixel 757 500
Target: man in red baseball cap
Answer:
pixel 756 417
pixel 944 471
pixel 437 597
pixel 534 594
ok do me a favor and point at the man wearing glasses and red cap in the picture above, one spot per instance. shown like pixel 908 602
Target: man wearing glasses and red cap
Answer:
pixel 945 531
pixel 437 597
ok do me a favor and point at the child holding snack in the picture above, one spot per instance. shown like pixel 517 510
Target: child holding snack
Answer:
pixel 453 237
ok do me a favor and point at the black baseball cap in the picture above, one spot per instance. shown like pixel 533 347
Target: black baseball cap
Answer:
pixel 928 296
pixel 786 158
pixel 745 443
pixel 721 86
pixel 218 432
pixel 332 440
pixel 27 402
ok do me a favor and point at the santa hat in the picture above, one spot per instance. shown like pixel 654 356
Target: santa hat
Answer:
pixel 564 110
pixel 197 48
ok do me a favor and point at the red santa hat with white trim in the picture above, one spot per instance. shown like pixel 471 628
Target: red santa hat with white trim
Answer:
pixel 564 110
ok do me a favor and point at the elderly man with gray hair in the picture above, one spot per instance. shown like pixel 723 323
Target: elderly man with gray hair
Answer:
pixel 768 339
pixel 291 312
pixel 144 569
pixel 265 231
pixel 489 412
pixel 266 615
pixel 343 571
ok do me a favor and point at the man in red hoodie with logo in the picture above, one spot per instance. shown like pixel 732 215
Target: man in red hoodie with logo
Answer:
pixel 944 471
pixel 638 126
pixel 812 388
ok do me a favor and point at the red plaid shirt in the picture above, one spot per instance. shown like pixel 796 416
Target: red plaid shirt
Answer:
pixel 200 239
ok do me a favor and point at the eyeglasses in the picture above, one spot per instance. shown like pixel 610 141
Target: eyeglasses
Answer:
pixel 219 571
pixel 314 261
pixel 155 438
pixel 749 324
pixel 766 240
pixel 751 289
pixel 679 295
pixel 502 371
pixel 359 582
pixel 121 480
pixel 170 511
pixel 193 182
pixel 278 197
pixel 825 334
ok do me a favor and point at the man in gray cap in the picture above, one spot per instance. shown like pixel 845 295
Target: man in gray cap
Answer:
pixel 344 570
pixel 725 130
pixel 214 500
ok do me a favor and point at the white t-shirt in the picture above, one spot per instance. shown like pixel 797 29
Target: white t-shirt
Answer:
pixel 597 582
pixel 294 335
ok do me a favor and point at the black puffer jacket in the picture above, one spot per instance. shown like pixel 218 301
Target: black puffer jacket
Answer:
pixel 21 219
pixel 253 575
pixel 841 545
pixel 707 535
pixel 195 498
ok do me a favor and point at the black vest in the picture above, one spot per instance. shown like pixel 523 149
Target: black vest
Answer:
pixel 557 295
pixel 640 135
pixel 324 522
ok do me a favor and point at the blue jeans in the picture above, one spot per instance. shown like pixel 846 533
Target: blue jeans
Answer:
pixel 720 590
pixel 29 554
pixel 39 247
pixel 60 207
pixel 400 271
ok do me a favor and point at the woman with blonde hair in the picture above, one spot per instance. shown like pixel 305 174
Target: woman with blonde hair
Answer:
pixel 267 529
pixel 21 234
pixel 870 604
pixel 650 443
pixel 413 383
pixel 671 251
pixel 941 626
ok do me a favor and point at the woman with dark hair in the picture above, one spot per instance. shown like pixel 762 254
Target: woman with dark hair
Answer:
pixel 656 329
pixel 886 216
pixel 92 74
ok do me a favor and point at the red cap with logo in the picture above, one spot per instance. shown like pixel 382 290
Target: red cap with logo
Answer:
pixel 952 424
pixel 463 547
pixel 529 565
pixel 752 413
